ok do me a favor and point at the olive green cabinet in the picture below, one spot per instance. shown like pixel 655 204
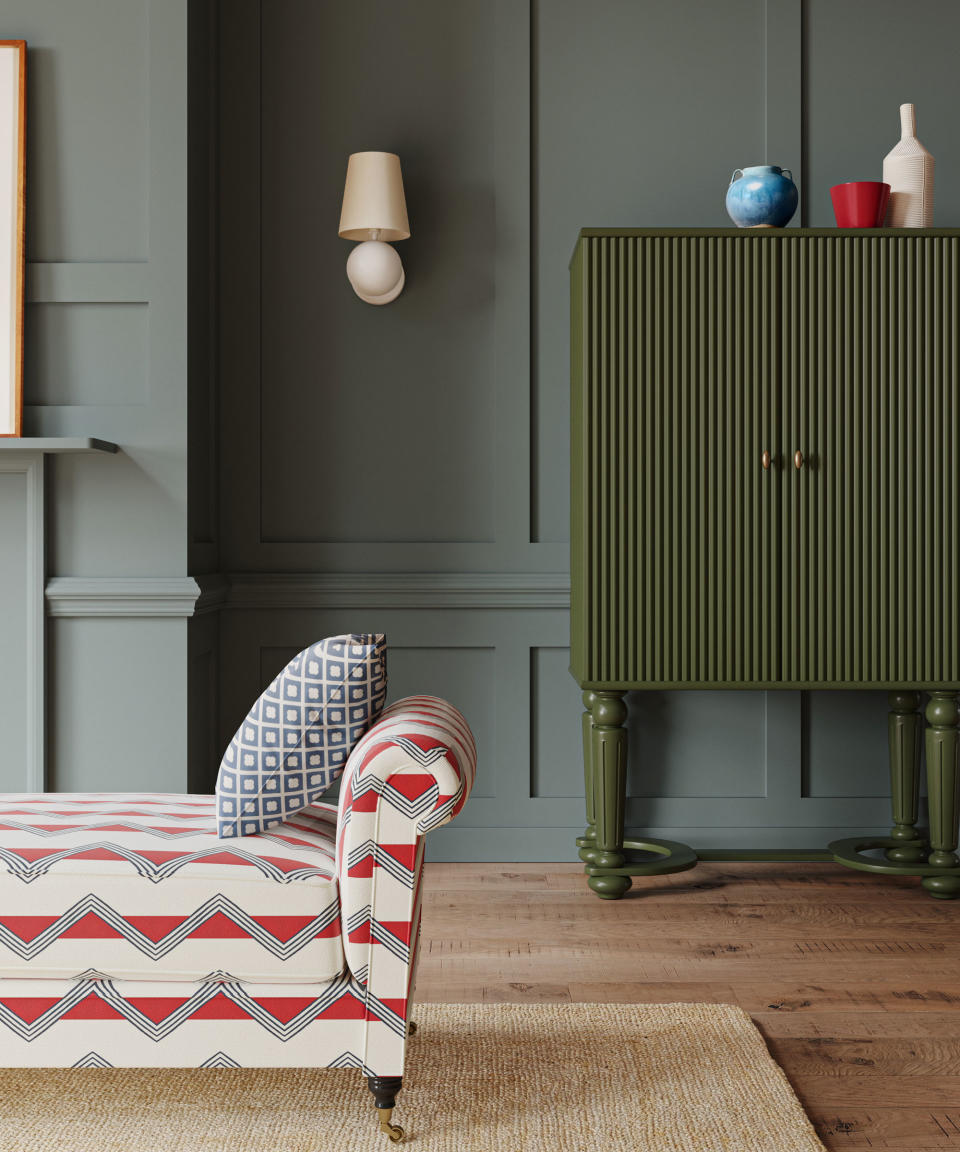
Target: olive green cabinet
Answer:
pixel 765 428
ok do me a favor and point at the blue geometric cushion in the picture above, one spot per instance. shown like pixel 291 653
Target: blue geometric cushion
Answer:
pixel 296 739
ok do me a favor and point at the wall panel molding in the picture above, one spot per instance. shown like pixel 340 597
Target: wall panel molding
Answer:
pixel 399 590
pixel 88 282
pixel 136 597
pixel 214 590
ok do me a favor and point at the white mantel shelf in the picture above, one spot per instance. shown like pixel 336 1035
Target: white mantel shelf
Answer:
pixel 47 444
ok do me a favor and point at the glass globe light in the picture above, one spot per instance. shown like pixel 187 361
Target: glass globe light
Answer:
pixel 376 272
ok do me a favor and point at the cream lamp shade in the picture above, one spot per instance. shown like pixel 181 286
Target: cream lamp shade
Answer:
pixel 374 212
pixel 374 206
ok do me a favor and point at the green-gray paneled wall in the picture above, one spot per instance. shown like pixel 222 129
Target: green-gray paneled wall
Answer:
pixel 406 468
pixel 105 356
pixel 518 123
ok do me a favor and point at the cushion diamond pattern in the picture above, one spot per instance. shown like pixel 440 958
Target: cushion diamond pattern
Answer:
pixel 295 740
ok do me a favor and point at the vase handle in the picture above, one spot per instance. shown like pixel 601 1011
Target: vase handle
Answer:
pixel 737 173
pixel 786 172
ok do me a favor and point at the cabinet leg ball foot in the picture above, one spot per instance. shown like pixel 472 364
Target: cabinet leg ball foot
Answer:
pixel 942 887
pixel 609 887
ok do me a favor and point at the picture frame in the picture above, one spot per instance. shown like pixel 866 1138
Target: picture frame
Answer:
pixel 13 139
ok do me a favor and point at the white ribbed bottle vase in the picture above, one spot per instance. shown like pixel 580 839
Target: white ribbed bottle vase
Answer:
pixel 908 169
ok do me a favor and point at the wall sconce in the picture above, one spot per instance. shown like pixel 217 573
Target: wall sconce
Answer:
pixel 374 211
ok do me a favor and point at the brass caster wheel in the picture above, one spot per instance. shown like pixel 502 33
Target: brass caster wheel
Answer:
pixel 393 1131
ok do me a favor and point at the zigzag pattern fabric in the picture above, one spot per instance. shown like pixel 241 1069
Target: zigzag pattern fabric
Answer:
pixel 297 737
pixel 139 887
pixel 140 884
pixel 219 1022
pixel 412 772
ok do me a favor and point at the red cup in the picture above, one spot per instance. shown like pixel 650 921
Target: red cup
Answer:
pixel 860 204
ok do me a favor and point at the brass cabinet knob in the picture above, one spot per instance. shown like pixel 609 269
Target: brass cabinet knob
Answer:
pixel 798 458
pixel 765 459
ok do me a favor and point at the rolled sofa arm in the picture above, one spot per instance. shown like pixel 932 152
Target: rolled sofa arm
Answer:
pixel 410 773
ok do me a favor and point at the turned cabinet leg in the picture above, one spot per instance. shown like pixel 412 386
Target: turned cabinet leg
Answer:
pixel 943 791
pixel 385 1089
pixel 609 762
pixel 903 729
pixel 587 843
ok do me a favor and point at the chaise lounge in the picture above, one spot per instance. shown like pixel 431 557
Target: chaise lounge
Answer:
pixel 132 936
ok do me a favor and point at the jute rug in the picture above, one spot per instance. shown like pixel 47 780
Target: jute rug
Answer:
pixel 490 1077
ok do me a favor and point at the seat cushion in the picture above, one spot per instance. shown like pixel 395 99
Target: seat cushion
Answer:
pixel 139 886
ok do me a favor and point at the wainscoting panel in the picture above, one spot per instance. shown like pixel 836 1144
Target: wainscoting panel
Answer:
pixel 86 353
pixel 669 729
pixel 365 439
pixel 88 117
pixel 556 765
pixel 844 742
pixel 664 115
pixel 331 355
pixel 117 696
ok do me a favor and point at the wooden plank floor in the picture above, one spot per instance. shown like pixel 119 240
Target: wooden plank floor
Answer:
pixel 854 980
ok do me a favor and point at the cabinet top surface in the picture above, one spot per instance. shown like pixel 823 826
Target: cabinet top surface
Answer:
pixel 762 234
pixel 775 233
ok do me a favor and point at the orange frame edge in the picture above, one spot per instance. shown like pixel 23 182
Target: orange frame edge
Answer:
pixel 21 45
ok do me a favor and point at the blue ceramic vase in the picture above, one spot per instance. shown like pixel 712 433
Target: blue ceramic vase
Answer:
pixel 763 196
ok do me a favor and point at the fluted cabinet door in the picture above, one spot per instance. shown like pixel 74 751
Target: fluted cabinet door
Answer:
pixel 676 395
pixel 869 370
pixel 693 353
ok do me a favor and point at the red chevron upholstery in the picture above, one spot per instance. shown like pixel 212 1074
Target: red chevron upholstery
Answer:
pixel 131 936
pixel 214 1023
pixel 411 772
pixel 139 887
